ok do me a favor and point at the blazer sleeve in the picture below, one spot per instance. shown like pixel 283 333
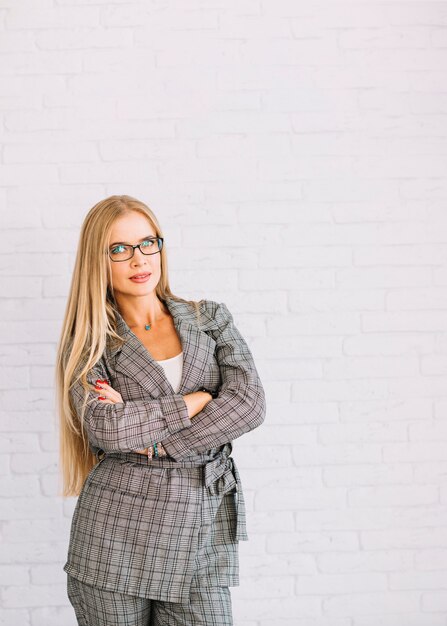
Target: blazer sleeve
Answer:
pixel 130 425
pixel 240 405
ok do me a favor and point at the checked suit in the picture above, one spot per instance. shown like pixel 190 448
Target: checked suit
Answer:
pixel 163 527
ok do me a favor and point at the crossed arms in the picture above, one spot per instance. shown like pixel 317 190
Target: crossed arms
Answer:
pixel 135 424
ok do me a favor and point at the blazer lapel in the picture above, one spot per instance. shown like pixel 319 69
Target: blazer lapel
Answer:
pixel 134 361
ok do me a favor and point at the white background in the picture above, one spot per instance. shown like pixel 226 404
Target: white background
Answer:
pixel 295 154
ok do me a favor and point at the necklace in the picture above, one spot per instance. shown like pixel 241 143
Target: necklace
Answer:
pixel 146 326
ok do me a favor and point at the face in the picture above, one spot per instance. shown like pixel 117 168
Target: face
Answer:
pixel 134 228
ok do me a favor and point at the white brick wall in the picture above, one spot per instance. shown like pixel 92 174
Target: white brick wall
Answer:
pixel 315 130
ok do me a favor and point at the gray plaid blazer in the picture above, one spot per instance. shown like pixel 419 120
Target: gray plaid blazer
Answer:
pixel 158 527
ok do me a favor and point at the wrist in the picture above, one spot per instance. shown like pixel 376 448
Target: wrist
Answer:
pixel 213 394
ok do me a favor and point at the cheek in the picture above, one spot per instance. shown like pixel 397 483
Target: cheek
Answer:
pixel 119 274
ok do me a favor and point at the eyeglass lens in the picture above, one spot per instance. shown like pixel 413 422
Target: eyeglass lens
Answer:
pixel 122 252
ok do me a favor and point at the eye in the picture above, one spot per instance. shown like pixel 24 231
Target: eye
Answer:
pixel 147 243
pixel 118 249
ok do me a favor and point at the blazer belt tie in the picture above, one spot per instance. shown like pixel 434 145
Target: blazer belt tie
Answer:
pixel 221 476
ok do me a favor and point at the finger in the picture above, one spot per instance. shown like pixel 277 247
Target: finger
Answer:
pixel 105 400
pixel 111 395
pixel 102 383
pixel 105 390
pixel 103 394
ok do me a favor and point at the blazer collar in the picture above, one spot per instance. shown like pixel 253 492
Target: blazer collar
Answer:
pixel 134 361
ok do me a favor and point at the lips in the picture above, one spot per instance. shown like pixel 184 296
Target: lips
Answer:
pixel 140 278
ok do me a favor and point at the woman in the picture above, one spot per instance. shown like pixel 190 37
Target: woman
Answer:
pixel 152 389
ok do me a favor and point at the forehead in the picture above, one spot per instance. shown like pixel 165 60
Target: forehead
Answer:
pixel 131 227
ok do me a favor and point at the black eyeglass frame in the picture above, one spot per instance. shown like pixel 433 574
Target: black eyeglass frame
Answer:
pixel 137 245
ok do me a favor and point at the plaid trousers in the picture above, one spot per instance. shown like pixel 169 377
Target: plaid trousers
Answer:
pixel 207 606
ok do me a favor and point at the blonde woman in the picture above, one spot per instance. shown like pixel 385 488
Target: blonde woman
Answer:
pixel 151 391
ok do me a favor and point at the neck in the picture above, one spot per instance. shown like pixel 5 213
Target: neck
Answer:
pixel 141 310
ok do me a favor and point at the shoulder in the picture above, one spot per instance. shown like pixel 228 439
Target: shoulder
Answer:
pixel 190 308
pixel 206 313
pixel 216 310
pixel 216 313
pixel 209 306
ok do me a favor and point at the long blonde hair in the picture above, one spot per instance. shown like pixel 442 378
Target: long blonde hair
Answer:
pixel 89 319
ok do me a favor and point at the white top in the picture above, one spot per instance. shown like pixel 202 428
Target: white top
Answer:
pixel 173 368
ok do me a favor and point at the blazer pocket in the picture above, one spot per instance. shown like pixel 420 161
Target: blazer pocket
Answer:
pixel 118 476
pixel 149 482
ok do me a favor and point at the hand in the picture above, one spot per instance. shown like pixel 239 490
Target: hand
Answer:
pixel 108 394
pixel 151 452
pixel 196 402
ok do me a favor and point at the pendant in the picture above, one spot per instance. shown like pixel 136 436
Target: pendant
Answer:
pixel 147 327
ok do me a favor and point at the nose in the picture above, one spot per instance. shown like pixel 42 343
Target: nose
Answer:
pixel 138 257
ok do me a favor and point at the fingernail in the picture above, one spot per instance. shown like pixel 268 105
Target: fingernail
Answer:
pixel 98 387
pixel 101 398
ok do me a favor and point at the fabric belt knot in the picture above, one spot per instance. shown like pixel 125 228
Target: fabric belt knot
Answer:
pixel 221 476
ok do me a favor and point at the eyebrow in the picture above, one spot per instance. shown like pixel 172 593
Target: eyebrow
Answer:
pixel 128 244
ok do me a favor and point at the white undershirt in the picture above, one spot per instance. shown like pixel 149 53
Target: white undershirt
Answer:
pixel 173 368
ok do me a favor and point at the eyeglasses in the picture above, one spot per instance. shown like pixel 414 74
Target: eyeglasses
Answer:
pixel 125 251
